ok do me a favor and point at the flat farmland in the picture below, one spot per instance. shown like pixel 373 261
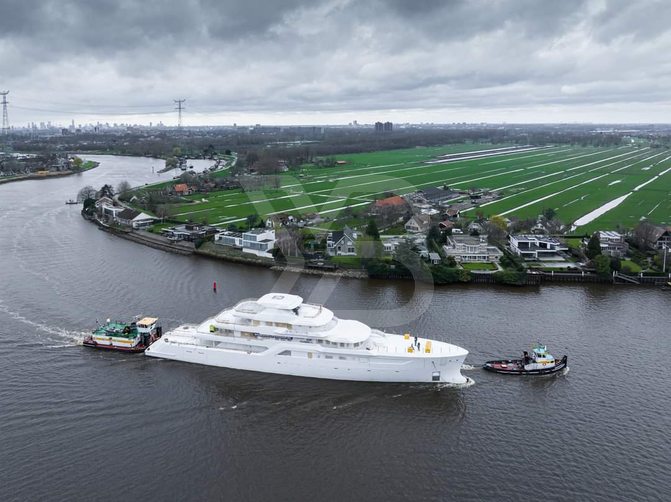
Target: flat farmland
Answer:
pixel 572 180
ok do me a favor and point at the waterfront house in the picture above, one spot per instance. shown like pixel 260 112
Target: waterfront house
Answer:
pixel 434 258
pixel 189 232
pixel 469 249
pixel 125 217
pixel 103 201
pixel 106 208
pixel 341 242
pixel 660 237
pixel 259 241
pixel 536 247
pixel 142 220
pixel 613 244
pixel 229 238
pixel 389 244
pixel 418 223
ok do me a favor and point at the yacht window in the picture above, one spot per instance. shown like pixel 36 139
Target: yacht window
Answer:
pixel 328 357
pixel 342 344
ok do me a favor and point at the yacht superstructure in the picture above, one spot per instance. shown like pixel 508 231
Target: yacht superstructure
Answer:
pixel 279 333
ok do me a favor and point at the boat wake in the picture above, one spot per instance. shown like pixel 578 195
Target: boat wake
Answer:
pixel 468 383
pixel 65 335
pixel 468 367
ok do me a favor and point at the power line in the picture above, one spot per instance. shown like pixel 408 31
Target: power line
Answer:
pixel 5 117
pixel 179 109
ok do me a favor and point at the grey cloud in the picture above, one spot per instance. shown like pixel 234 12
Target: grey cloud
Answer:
pixel 335 55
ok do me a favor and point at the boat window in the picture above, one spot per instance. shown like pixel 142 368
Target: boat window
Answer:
pixel 328 357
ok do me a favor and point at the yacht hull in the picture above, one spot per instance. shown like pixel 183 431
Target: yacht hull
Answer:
pixel 312 363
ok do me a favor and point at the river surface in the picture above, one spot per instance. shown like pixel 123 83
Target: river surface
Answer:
pixel 78 424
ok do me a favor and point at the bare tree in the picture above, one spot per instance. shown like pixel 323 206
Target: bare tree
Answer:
pixel 88 192
pixel 122 187
pixel 645 235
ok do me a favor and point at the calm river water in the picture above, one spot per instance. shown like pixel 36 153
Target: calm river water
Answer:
pixel 77 424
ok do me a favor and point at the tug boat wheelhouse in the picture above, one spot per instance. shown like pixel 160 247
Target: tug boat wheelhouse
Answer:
pixel 135 336
pixel 278 333
pixel 540 362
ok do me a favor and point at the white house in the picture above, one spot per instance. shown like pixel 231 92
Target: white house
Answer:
pixel 143 220
pixel 469 249
pixel 229 238
pixel 106 207
pixel 259 241
pixel 536 247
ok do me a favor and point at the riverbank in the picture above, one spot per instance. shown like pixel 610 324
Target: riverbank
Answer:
pixel 49 175
pixel 217 252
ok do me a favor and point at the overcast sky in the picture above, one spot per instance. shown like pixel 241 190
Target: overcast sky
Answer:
pixel 335 61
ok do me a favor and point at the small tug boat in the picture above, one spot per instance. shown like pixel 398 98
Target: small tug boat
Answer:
pixel 540 362
pixel 135 336
pixel 71 202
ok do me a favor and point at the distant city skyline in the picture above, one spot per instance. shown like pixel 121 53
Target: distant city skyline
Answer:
pixel 336 61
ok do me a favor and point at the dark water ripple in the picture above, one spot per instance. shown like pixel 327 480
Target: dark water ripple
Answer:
pixel 77 424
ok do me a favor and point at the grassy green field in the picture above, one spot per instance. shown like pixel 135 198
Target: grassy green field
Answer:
pixel 572 180
pixel 479 266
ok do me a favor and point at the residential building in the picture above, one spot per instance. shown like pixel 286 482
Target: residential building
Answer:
pixel 661 237
pixel 613 244
pixel 341 242
pixel 182 189
pixel 469 249
pixel 536 247
pixel 229 238
pixel 104 201
pixel 389 244
pixel 418 223
pixel 126 216
pixel 259 241
pixel 189 232
pixel 446 225
pixel 143 220
pixel 434 258
pixel 474 228
pixel 395 201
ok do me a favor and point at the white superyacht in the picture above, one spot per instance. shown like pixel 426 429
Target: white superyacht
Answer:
pixel 278 333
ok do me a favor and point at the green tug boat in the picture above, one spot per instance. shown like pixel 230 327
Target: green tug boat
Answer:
pixel 134 336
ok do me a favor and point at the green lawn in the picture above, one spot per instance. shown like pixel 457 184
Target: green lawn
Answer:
pixel 479 266
pixel 347 261
pixel 633 267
